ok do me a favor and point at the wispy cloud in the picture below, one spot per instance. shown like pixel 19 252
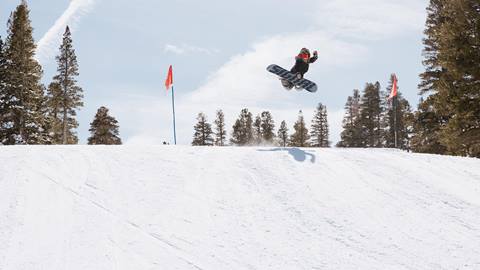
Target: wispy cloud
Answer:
pixel 243 71
pixel 370 19
pixel 49 43
pixel 187 49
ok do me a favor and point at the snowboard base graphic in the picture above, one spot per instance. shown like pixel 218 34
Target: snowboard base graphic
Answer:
pixel 292 78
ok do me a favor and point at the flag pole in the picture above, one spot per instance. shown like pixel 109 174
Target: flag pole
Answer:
pixel 393 99
pixel 395 110
pixel 173 107
pixel 395 119
pixel 168 85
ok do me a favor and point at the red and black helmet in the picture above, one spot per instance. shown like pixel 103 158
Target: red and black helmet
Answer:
pixel 304 54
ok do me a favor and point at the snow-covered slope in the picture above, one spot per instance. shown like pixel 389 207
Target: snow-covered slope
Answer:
pixel 172 207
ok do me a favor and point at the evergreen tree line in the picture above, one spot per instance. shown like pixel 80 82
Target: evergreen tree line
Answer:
pixel 31 113
pixel 447 119
pixel 249 131
pixel 448 116
pixel 373 120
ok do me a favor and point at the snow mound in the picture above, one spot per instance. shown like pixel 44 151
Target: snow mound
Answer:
pixel 167 207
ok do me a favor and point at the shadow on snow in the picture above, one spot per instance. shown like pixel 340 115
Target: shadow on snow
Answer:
pixel 297 153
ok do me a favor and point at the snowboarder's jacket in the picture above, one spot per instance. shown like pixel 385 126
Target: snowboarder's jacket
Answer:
pixel 302 62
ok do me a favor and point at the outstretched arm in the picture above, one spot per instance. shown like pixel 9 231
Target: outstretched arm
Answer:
pixel 314 58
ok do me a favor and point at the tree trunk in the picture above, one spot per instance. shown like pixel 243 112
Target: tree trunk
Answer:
pixel 64 125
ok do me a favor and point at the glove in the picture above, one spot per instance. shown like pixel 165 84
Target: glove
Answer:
pixel 315 53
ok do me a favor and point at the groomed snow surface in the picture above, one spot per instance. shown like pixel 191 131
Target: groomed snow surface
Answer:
pixel 168 207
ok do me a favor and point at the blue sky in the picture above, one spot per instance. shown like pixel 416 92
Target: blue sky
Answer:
pixel 220 50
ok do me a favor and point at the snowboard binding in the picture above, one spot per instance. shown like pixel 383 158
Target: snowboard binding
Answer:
pixel 289 85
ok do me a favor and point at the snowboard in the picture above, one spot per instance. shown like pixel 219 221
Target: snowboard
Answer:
pixel 292 78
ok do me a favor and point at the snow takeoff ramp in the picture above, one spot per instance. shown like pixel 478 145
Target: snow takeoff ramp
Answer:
pixel 236 208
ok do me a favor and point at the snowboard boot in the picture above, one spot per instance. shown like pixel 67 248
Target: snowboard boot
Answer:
pixel 286 84
pixel 298 87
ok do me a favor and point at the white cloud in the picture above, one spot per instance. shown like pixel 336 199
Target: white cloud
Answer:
pixel 50 42
pixel 187 49
pixel 243 79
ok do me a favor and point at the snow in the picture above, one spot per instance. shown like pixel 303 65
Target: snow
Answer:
pixel 181 207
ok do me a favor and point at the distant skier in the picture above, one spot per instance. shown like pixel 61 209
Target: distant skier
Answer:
pixel 302 63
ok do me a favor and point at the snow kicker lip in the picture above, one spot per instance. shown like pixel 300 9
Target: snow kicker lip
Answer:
pixel 293 78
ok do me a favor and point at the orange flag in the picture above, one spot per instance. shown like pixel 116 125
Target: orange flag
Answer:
pixel 169 80
pixel 394 87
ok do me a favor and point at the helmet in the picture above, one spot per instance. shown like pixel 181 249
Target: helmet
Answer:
pixel 304 54
pixel 305 51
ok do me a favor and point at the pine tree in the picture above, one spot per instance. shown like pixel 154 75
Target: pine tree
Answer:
pixel 386 107
pixel 452 76
pixel 243 129
pixel 267 127
pixel 426 138
pixel 3 66
pixel 257 130
pixel 459 55
pixel 370 116
pixel 104 129
pixel 237 136
pixel 409 122
pixel 220 133
pixel 426 129
pixel 203 132
pixel 431 76
pixel 300 137
pixel 69 99
pixel 351 134
pixel 319 129
pixel 53 106
pixel 22 98
pixel 283 134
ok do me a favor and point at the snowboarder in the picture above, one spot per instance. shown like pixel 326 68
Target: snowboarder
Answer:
pixel 302 62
